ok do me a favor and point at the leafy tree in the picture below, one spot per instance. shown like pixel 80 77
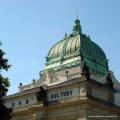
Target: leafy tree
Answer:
pixel 4 84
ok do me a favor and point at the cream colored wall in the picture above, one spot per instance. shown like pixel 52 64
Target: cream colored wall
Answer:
pixel 30 97
pixel 51 76
pixel 73 112
pixel 98 77
pixel 73 72
pixel 117 99
pixel 101 94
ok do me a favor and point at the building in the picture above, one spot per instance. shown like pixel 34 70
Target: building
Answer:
pixel 76 84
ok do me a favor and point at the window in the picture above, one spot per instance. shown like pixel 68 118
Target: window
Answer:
pixel 27 101
pixel 19 102
pixel 13 104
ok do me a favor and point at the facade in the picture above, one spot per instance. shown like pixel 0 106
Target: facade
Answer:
pixel 76 84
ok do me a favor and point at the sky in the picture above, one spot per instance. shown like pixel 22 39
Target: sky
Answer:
pixel 29 28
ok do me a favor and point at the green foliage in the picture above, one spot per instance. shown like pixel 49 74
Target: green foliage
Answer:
pixel 3 61
pixel 4 82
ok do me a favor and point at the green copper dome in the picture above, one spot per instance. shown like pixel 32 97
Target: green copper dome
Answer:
pixel 77 44
pixel 67 46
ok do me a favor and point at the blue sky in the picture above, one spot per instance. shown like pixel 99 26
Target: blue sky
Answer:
pixel 28 28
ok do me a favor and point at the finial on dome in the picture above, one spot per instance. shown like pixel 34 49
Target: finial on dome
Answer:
pixel 77 27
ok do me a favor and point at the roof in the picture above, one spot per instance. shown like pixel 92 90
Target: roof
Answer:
pixel 78 44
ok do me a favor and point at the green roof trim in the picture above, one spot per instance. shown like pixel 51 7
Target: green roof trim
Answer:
pixel 96 67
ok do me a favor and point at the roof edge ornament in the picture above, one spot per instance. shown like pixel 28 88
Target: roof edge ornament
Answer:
pixel 77 27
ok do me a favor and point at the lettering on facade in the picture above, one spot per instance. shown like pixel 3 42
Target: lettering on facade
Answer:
pixel 62 94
